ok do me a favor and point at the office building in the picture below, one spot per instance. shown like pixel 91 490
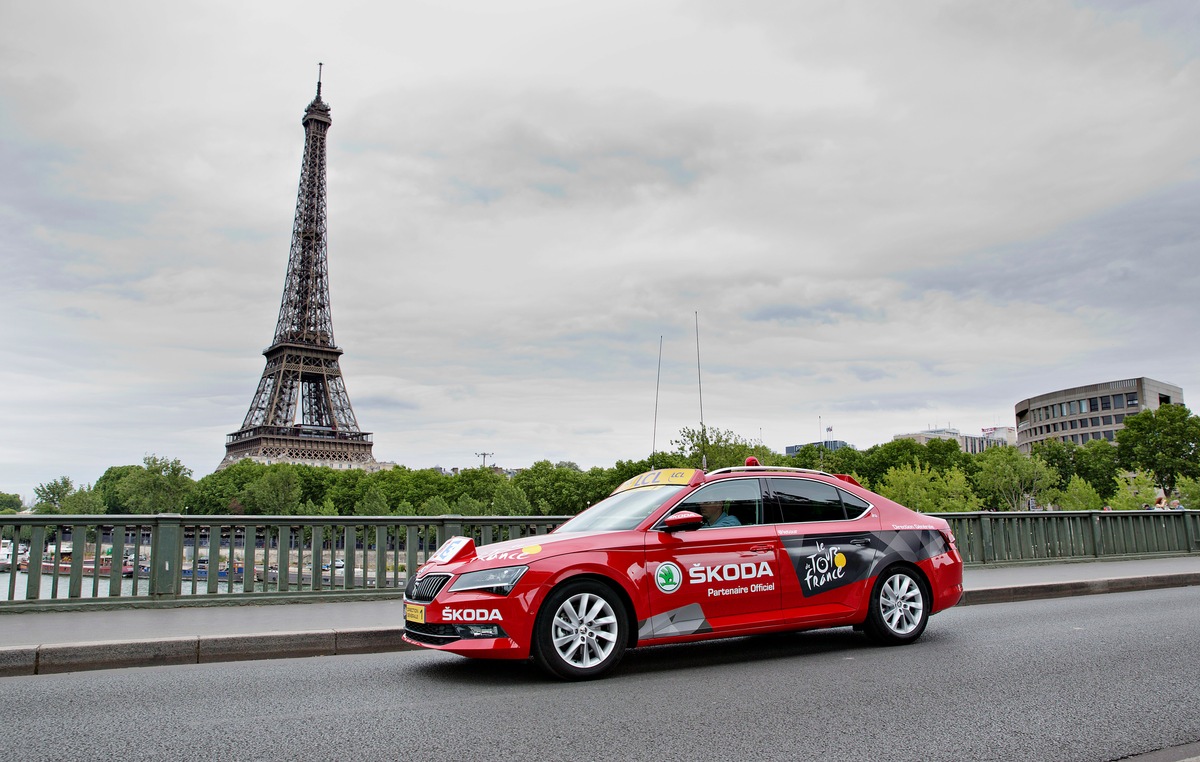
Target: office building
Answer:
pixel 1083 413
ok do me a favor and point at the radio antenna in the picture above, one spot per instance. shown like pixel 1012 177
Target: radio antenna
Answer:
pixel 700 388
pixel 657 382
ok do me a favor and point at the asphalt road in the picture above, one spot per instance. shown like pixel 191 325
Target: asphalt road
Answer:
pixel 1092 678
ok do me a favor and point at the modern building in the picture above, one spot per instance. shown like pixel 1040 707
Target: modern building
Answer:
pixel 1083 413
pixel 998 436
pixel 829 444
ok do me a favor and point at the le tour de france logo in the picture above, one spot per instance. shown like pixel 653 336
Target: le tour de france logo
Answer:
pixel 668 577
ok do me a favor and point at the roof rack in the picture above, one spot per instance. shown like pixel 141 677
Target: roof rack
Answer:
pixel 736 469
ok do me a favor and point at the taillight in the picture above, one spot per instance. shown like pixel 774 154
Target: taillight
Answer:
pixel 949 536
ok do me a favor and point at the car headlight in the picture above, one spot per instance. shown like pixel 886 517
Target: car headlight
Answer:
pixel 498 581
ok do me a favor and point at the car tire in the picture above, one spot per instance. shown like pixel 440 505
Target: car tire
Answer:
pixel 581 630
pixel 899 608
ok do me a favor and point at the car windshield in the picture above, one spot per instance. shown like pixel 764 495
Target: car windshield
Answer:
pixel 624 510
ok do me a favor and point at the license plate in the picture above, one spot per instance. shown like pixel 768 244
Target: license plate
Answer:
pixel 414 613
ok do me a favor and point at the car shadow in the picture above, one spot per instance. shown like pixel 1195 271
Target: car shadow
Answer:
pixel 709 654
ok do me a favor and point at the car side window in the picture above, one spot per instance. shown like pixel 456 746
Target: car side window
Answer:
pixel 742 499
pixel 855 505
pixel 806 500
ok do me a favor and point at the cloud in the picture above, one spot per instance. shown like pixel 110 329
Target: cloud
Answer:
pixel 880 215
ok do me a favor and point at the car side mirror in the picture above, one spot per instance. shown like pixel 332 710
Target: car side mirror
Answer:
pixel 683 520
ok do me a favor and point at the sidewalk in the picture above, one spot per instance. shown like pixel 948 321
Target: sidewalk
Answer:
pixel 69 641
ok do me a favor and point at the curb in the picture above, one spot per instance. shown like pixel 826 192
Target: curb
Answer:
pixel 54 658
pixel 57 658
pixel 1018 593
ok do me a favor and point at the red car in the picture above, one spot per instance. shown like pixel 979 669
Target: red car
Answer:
pixel 680 555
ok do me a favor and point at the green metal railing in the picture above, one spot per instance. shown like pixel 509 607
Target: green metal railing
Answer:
pixel 1045 536
pixel 170 560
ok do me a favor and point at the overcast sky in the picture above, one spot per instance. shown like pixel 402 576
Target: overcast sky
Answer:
pixel 886 216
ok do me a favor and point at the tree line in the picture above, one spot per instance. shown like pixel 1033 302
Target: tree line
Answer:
pixel 1158 452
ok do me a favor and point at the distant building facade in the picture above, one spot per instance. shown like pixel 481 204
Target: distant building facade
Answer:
pixel 829 444
pixel 997 436
pixel 1083 413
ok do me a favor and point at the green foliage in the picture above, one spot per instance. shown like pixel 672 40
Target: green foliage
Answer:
pixel 1135 492
pixel 554 490
pixel 159 486
pixel 1059 456
pixel 879 459
pixel 1164 442
pixel 1188 491
pixel 1096 463
pixel 718 448
pixel 1078 495
pixel 373 503
pixel 924 489
pixel 84 500
pixel 1007 478
pixel 274 493
pixel 50 496
pixel 510 500
pixel 10 502
pixel 434 506
pixel 108 487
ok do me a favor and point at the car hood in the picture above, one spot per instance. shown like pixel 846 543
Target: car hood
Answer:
pixel 520 551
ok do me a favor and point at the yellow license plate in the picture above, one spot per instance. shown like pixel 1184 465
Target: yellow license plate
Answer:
pixel 414 613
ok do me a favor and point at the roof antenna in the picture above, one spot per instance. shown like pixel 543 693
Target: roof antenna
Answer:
pixel 700 387
pixel 319 67
pixel 657 381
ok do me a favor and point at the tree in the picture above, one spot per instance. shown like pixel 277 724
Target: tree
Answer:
pixel 1165 442
pixel 159 486
pixel 878 459
pixel 275 493
pixel 50 496
pixel 434 506
pixel 712 448
pixel 1060 456
pixel 1096 463
pixel 1078 495
pixel 372 504
pixel 1189 492
pixel 924 489
pixel 509 500
pixel 1007 478
pixel 553 490
pixel 10 502
pixel 108 487
pixel 1134 492
pixel 84 500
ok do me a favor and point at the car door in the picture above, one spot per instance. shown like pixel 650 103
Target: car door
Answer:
pixel 719 578
pixel 830 539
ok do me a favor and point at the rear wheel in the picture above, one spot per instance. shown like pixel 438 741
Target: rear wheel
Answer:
pixel 899 607
pixel 580 631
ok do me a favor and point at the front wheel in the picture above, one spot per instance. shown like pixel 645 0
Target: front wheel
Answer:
pixel 580 631
pixel 899 608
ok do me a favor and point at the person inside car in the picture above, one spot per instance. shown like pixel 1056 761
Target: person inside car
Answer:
pixel 715 515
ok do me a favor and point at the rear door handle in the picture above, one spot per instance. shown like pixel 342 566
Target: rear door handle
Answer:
pixel 861 542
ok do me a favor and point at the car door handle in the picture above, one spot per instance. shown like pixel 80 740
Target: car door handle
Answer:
pixel 761 548
pixel 861 542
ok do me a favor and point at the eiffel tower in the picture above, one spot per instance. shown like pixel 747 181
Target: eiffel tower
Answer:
pixel 302 361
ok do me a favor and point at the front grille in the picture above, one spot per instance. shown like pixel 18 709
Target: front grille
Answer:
pixel 425 589
pixel 433 634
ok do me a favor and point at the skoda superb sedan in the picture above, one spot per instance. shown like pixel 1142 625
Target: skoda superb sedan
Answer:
pixel 682 555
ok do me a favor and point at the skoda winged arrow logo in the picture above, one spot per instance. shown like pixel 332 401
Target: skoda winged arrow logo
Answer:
pixel 668 578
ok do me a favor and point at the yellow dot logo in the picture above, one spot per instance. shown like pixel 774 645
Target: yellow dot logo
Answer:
pixel 530 550
pixel 839 560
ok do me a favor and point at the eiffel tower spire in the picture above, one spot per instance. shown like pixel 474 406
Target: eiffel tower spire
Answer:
pixel 302 368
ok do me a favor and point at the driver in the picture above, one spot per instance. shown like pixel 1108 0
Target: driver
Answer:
pixel 715 515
